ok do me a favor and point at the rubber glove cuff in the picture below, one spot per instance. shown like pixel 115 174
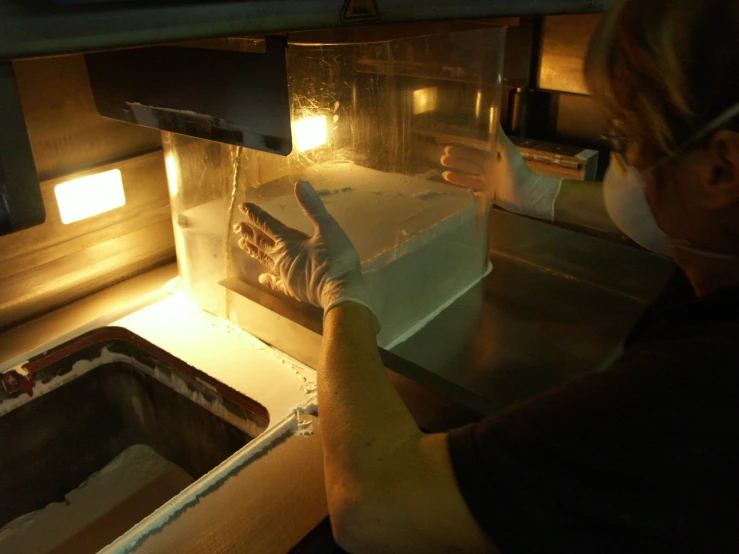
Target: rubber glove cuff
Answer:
pixel 356 292
pixel 535 198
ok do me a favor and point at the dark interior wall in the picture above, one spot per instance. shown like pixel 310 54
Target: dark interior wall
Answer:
pixel 553 103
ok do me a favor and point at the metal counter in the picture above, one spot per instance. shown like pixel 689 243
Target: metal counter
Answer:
pixel 557 305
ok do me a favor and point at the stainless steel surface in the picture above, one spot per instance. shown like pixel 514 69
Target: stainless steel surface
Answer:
pixel 580 121
pixel 565 40
pixel 21 205
pixel 235 97
pixel 37 28
pixel 274 320
pixel 556 306
pixel 518 54
pixel 618 269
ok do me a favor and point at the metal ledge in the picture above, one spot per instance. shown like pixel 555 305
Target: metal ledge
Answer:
pixel 41 28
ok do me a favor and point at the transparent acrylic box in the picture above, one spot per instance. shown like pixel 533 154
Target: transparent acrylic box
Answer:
pixel 370 122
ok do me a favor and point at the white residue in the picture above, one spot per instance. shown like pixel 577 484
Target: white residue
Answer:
pixel 131 541
pixel 306 374
pixel 397 194
pixel 425 195
pixel 305 415
pixel 305 427
pixel 79 368
pixel 133 472
pixel 331 192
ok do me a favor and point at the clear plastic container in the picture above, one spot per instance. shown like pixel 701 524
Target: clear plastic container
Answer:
pixel 370 124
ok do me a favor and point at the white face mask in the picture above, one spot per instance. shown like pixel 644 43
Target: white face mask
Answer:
pixel 624 193
pixel 626 203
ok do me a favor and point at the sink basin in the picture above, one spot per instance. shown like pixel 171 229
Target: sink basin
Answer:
pixel 104 400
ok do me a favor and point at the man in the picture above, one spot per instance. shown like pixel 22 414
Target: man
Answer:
pixel 640 458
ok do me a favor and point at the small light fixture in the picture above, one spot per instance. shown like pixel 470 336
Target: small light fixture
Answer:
pixel 310 133
pixel 89 196
pixel 425 100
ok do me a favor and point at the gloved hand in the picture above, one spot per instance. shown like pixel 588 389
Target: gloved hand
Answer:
pixel 517 187
pixel 323 269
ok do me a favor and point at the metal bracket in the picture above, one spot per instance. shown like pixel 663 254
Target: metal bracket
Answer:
pixel 21 205
pixel 220 94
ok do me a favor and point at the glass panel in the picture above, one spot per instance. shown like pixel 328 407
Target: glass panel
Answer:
pixel 370 123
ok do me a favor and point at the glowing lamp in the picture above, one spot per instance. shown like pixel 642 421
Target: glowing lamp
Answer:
pixel 89 196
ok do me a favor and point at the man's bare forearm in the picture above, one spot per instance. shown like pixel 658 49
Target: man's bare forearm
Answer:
pixel 390 487
pixel 363 419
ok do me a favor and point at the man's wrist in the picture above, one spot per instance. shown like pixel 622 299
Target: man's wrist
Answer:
pixel 542 197
pixel 353 305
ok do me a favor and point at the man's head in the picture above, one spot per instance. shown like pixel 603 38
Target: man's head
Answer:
pixel 662 71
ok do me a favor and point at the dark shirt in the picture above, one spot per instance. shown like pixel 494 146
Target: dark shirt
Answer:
pixel 643 457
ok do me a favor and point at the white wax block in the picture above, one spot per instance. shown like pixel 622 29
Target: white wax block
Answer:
pixel 386 215
pixel 419 240
pixel 103 495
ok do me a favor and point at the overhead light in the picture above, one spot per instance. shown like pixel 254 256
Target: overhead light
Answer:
pixel 310 132
pixel 425 100
pixel 89 196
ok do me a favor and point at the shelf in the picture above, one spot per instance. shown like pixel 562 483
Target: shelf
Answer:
pixel 42 27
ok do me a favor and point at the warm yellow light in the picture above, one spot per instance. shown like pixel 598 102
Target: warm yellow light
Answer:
pixel 425 100
pixel 478 105
pixel 173 176
pixel 493 119
pixel 89 196
pixel 310 133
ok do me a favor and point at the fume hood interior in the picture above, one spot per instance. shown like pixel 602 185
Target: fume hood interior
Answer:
pixel 368 113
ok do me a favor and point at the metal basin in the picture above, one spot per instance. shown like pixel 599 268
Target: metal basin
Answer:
pixel 94 398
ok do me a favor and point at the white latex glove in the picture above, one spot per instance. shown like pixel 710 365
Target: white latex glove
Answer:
pixel 517 187
pixel 323 269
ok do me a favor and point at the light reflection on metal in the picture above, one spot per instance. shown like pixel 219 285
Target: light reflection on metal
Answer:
pixel 89 196
pixel 493 119
pixel 425 100
pixel 310 133
pixel 173 175
pixel 478 105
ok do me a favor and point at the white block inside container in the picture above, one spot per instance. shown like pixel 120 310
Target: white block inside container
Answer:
pixel 419 240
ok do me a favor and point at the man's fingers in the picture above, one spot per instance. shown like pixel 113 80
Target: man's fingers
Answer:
pixel 258 238
pixel 273 282
pixel 263 221
pixel 461 164
pixel 256 253
pixel 310 202
pixel 473 182
pixel 470 154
